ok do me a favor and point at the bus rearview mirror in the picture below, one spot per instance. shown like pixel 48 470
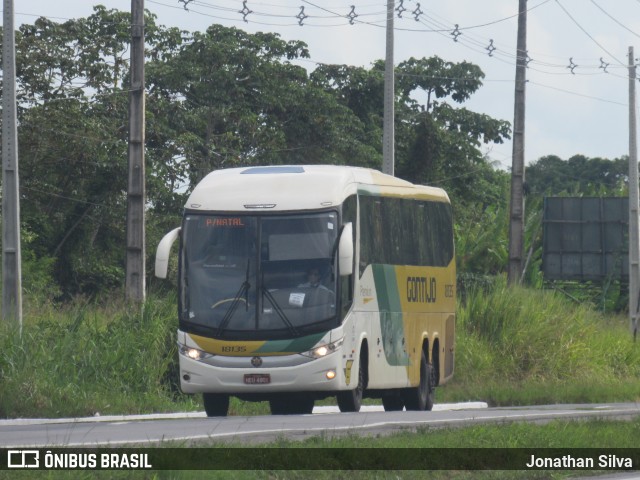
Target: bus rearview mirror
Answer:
pixel 163 251
pixel 345 250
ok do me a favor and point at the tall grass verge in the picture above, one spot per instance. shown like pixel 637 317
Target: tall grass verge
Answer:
pixel 517 346
pixel 514 346
pixel 85 359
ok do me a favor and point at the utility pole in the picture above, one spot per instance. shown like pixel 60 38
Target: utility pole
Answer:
pixel 135 263
pixel 388 135
pixel 634 249
pixel 516 214
pixel 11 256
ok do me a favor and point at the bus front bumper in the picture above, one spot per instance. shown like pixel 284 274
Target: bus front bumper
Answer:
pixel 274 375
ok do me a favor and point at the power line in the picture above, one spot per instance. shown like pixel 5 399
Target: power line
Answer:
pixel 468 40
pixel 590 97
pixel 503 54
pixel 588 34
pixel 433 26
pixel 608 15
pixel 505 18
pixel 352 16
pixel 480 46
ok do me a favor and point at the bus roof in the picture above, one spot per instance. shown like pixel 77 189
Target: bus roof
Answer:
pixel 298 187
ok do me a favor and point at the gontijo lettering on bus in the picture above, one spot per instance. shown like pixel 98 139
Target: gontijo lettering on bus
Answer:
pixel 421 289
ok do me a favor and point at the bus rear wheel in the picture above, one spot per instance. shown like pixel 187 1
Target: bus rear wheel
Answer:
pixel 216 404
pixel 421 397
pixel 393 402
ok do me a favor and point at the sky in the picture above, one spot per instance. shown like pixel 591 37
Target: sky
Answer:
pixel 577 91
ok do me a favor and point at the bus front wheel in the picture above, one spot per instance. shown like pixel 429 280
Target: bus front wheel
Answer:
pixel 216 404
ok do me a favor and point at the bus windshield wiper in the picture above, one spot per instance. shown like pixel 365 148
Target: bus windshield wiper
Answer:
pixel 279 311
pixel 244 291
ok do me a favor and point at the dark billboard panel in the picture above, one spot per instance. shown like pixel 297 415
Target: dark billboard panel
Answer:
pixel 585 238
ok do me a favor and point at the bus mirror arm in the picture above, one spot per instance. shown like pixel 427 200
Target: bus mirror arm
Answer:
pixel 345 250
pixel 163 251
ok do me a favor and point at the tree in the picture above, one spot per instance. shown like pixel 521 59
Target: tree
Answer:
pixel 215 99
pixel 443 142
pixel 435 143
pixel 238 100
pixel 73 111
pixel 552 176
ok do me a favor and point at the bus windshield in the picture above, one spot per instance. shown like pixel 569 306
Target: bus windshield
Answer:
pixel 254 277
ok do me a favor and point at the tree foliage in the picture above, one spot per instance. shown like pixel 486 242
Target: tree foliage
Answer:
pixel 215 99
pixel 73 101
pixel 437 143
pixel 578 176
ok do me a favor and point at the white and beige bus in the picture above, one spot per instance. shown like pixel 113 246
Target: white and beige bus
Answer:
pixel 297 283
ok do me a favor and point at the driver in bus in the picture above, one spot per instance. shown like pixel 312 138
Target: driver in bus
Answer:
pixel 313 280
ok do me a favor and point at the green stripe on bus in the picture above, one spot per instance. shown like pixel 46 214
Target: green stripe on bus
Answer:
pixel 391 318
pixel 384 277
pixel 369 190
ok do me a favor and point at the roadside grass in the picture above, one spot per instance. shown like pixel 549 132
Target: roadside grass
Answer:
pixel 514 346
pixel 84 360
pixel 589 434
pixel 595 434
pixel 517 346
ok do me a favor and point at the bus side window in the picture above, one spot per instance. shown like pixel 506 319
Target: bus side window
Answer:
pixel 366 239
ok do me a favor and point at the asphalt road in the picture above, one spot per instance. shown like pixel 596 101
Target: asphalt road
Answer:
pixel 195 428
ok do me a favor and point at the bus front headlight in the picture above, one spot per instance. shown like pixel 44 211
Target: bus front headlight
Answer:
pixel 194 353
pixel 323 350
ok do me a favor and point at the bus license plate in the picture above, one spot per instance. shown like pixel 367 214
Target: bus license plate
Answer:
pixel 257 378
